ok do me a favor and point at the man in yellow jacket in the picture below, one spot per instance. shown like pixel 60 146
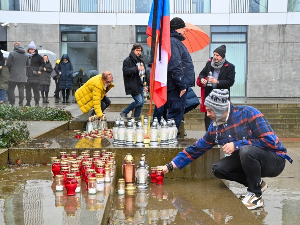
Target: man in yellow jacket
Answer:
pixel 93 93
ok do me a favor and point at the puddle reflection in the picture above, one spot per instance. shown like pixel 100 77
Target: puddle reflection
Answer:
pixel 37 202
pixel 155 205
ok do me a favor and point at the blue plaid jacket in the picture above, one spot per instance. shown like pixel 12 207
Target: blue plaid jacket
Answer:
pixel 245 126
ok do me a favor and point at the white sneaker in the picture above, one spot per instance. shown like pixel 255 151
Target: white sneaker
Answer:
pixel 264 187
pixel 251 201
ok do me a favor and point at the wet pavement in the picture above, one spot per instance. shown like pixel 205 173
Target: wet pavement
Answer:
pixel 200 201
pixel 28 196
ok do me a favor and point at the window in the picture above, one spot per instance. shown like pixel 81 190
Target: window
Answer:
pixel 235 39
pixel 10 5
pixel 141 37
pixel 252 6
pixel 192 6
pixel 294 6
pixel 256 6
pixel 143 6
pixel 88 5
pixel 80 43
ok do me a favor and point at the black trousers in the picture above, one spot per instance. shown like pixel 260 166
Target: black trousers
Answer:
pixel 175 106
pixel 11 92
pixel 56 92
pixel 248 165
pixel 36 93
pixel 65 94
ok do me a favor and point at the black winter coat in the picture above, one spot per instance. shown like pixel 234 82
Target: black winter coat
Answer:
pixel 132 80
pixel 1 59
pixel 226 76
pixel 45 78
pixel 66 76
pixel 181 72
pixel 34 64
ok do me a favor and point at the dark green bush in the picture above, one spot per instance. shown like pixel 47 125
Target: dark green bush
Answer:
pixel 12 133
pixel 8 112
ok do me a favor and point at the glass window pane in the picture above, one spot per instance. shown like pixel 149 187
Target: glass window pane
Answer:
pixel 200 6
pixel 14 5
pixel 79 37
pixel 228 38
pixel 81 28
pixel 294 6
pixel 88 5
pixel 229 29
pixel 256 6
pixel 143 6
pixel 141 29
pixel 82 55
pixel 4 4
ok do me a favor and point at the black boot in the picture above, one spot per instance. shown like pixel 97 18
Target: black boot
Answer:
pixel 64 100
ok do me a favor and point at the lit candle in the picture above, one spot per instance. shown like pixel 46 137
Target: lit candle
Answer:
pixel 100 182
pixel 121 186
pixel 59 183
pixel 92 185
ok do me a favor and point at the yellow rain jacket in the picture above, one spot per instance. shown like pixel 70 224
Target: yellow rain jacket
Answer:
pixel 91 93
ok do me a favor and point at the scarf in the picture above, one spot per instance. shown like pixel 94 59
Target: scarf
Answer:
pixel 30 55
pixel 135 58
pixel 217 65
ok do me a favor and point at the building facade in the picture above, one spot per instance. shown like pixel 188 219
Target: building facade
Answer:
pixel 262 36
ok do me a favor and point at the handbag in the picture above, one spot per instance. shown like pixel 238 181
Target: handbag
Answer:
pixel 53 74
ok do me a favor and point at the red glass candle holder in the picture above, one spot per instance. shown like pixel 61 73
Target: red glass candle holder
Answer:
pixel 56 167
pixel 159 177
pixel 71 184
pixel 153 174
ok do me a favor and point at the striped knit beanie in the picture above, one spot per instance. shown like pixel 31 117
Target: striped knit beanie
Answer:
pixel 217 100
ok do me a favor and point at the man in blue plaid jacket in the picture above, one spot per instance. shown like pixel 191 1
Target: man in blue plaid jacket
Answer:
pixel 246 136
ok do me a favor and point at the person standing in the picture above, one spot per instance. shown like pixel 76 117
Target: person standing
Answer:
pixel 133 69
pixel 65 69
pixel 4 75
pixel 33 74
pixel 223 75
pixel 181 73
pixel 17 63
pixel 45 78
pixel 246 136
pixel 56 79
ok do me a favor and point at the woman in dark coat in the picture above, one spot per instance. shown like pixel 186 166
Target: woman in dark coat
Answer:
pixel 45 78
pixel 33 74
pixel 65 69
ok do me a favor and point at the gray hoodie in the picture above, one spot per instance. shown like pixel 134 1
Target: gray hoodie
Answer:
pixel 17 62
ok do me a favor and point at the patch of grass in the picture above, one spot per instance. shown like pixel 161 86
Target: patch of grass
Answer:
pixel 9 112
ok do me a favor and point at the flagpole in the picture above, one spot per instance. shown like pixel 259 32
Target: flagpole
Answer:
pixel 153 76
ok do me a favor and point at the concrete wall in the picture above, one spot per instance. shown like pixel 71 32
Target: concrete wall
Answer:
pixel 273 54
pixel 273 61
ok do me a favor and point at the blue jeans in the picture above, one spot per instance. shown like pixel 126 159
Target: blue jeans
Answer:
pixel 137 104
pixel 2 95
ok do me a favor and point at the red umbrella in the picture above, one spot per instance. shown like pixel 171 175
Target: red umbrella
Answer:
pixel 195 38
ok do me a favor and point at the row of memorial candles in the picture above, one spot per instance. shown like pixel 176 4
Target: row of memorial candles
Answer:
pixel 69 170
pixel 96 123
pixel 137 134
pixel 96 128
pixel 139 175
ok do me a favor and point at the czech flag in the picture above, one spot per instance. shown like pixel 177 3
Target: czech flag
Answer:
pixel 159 26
